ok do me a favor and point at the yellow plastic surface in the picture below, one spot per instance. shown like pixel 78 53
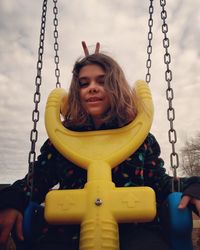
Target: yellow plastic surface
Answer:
pixel 100 205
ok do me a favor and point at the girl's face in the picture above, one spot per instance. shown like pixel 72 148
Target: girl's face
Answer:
pixel 93 96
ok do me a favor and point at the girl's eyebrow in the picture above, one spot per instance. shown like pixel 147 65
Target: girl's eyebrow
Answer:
pixel 103 75
pixel 83 78
pixel 86 77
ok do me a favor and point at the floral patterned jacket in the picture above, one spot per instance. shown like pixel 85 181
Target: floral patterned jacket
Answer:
pixel 143 168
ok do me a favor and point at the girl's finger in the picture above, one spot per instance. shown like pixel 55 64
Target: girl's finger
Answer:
pixel 184 202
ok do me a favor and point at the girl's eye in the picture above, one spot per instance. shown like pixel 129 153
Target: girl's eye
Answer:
pixel 101 80
pixel 83 84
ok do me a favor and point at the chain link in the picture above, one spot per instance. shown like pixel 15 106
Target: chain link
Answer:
pixel 174 160
pixel 56 45
pixel 36 99
pixel 149 47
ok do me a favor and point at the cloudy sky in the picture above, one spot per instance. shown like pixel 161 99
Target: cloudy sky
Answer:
pixel 121 28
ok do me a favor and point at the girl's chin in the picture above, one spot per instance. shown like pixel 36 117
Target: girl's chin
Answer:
pixel 95 112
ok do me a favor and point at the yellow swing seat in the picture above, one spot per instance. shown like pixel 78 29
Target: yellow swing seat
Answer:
pixel 99 206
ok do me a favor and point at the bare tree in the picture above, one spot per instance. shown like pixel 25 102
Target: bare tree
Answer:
pixel 190 157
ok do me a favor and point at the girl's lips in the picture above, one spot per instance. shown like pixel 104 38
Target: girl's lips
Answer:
pixel 94 99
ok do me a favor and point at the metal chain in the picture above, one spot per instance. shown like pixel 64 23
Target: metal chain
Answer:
pixel 150 37
pixel 174 160
pixel 56 45
pixel 37 96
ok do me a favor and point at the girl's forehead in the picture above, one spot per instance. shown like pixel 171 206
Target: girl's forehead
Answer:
pixel 91 70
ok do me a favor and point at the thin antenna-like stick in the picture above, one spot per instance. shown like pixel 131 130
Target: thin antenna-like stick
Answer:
pixel 85 48
pixel 86 51
pixel 97 48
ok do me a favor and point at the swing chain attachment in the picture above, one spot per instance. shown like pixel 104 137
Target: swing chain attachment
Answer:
pixel 174 160
pixel 149 46
pixel 37 97
pixel 56 45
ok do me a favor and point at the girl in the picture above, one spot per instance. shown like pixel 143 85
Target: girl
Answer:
pixel 99 98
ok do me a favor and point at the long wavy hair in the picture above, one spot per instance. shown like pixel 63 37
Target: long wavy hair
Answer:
pixel 122 97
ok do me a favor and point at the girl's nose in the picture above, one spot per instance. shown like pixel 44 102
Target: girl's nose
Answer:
pixel 93 88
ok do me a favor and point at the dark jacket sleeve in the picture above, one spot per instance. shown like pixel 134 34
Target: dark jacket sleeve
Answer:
pixel 45 177
pixel 162 182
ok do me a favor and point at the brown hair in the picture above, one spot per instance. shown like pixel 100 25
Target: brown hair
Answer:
pixel 121 95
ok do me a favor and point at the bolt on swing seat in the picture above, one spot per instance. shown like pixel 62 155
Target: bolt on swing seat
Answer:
pixel 99 206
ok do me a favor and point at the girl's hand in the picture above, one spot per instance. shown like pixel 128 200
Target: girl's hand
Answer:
pixel 9 219
pixel 186 200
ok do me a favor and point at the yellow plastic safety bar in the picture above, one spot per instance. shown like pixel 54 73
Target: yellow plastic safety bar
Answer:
pixel 99 206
